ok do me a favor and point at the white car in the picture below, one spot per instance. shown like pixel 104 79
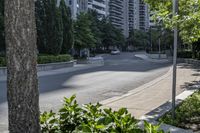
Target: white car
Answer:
pixel 115 52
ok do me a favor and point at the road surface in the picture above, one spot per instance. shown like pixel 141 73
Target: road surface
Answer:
pixel 120 74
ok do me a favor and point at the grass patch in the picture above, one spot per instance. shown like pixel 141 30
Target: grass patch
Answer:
pixel 187 114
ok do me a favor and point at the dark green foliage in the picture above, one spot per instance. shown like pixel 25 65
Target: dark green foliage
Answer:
pixel 138 39
pixel 184 54
pixel 2 61
pixel 68 37
pixel 40 12
pixel 95 26
pixel 2 37
pixel 188 113
pixel 91 119
pixel 84 38
pixel 196 50
pixel 53 28
pixel 43 59
pixel 111 36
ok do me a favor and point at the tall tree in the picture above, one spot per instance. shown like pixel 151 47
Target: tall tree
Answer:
pixel 95 26
pixel 22 82
pixel 68 37
pixel 84 38
pixel 138 38
pixel 40 12
pixel 111 36
pixel 53 28
pixel 49 27
pixel 188 17
pixel 2 38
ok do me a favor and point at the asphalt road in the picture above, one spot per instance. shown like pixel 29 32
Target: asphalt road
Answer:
pixel 120 74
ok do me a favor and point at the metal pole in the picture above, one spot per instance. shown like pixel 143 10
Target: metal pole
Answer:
pixel 159 47
pixel 175 11
pixel 151 40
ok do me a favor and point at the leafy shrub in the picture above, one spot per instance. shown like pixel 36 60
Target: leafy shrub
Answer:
pixel 91 119
pixel 184 54
pixel 43 59
pixel 2 61
pixel 150 128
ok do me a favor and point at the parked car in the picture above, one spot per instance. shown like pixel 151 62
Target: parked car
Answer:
pixel 115 52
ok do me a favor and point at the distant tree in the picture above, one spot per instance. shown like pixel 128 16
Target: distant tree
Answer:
pixel 111 36
pixel 40 11
pixel 68 35
pixel 138 39
pixel 196 49
pixel 53 28
pixel 2 37
pixel 84 38
pixel 22 82
pixel 119 38
pixel 95 26
pixel 49 27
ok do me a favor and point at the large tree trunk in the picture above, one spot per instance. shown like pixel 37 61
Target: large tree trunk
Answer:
pixel 22 83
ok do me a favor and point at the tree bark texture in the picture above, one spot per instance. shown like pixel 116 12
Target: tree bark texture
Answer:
pixel 22 82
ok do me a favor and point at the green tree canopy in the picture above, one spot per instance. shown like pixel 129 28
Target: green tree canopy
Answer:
pixel 188 17
pixel 95 26
pixel 84 38
pixel 49 27
pixel 111 36
pixel 138 38
pixel 68 37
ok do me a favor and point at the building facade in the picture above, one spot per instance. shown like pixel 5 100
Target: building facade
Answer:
pixel 127 15
pixel 101 6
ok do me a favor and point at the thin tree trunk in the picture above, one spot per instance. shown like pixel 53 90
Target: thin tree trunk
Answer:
pixel 22 83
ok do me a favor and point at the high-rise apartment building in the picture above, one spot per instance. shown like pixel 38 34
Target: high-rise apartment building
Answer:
pixel 128 15
pixel 143 16
pixel 77 6
pixel 116 12
pixel 100 6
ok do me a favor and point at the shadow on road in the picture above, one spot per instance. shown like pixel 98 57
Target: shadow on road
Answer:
pixel 56 82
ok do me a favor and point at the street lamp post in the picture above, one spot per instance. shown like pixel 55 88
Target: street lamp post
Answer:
pixel 175 12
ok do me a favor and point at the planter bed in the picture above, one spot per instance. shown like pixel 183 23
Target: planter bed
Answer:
pixel 187 114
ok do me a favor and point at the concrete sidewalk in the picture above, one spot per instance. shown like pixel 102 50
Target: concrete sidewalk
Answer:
pixel 147 98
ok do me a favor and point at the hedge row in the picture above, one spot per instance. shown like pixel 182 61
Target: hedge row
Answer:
pixel 44 59
pixel 184 54
pixel 2 61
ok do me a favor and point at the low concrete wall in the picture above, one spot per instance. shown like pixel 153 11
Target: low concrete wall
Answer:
pixel 45 67
pixel 95 60
pixel 156 56
pixel 189 61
